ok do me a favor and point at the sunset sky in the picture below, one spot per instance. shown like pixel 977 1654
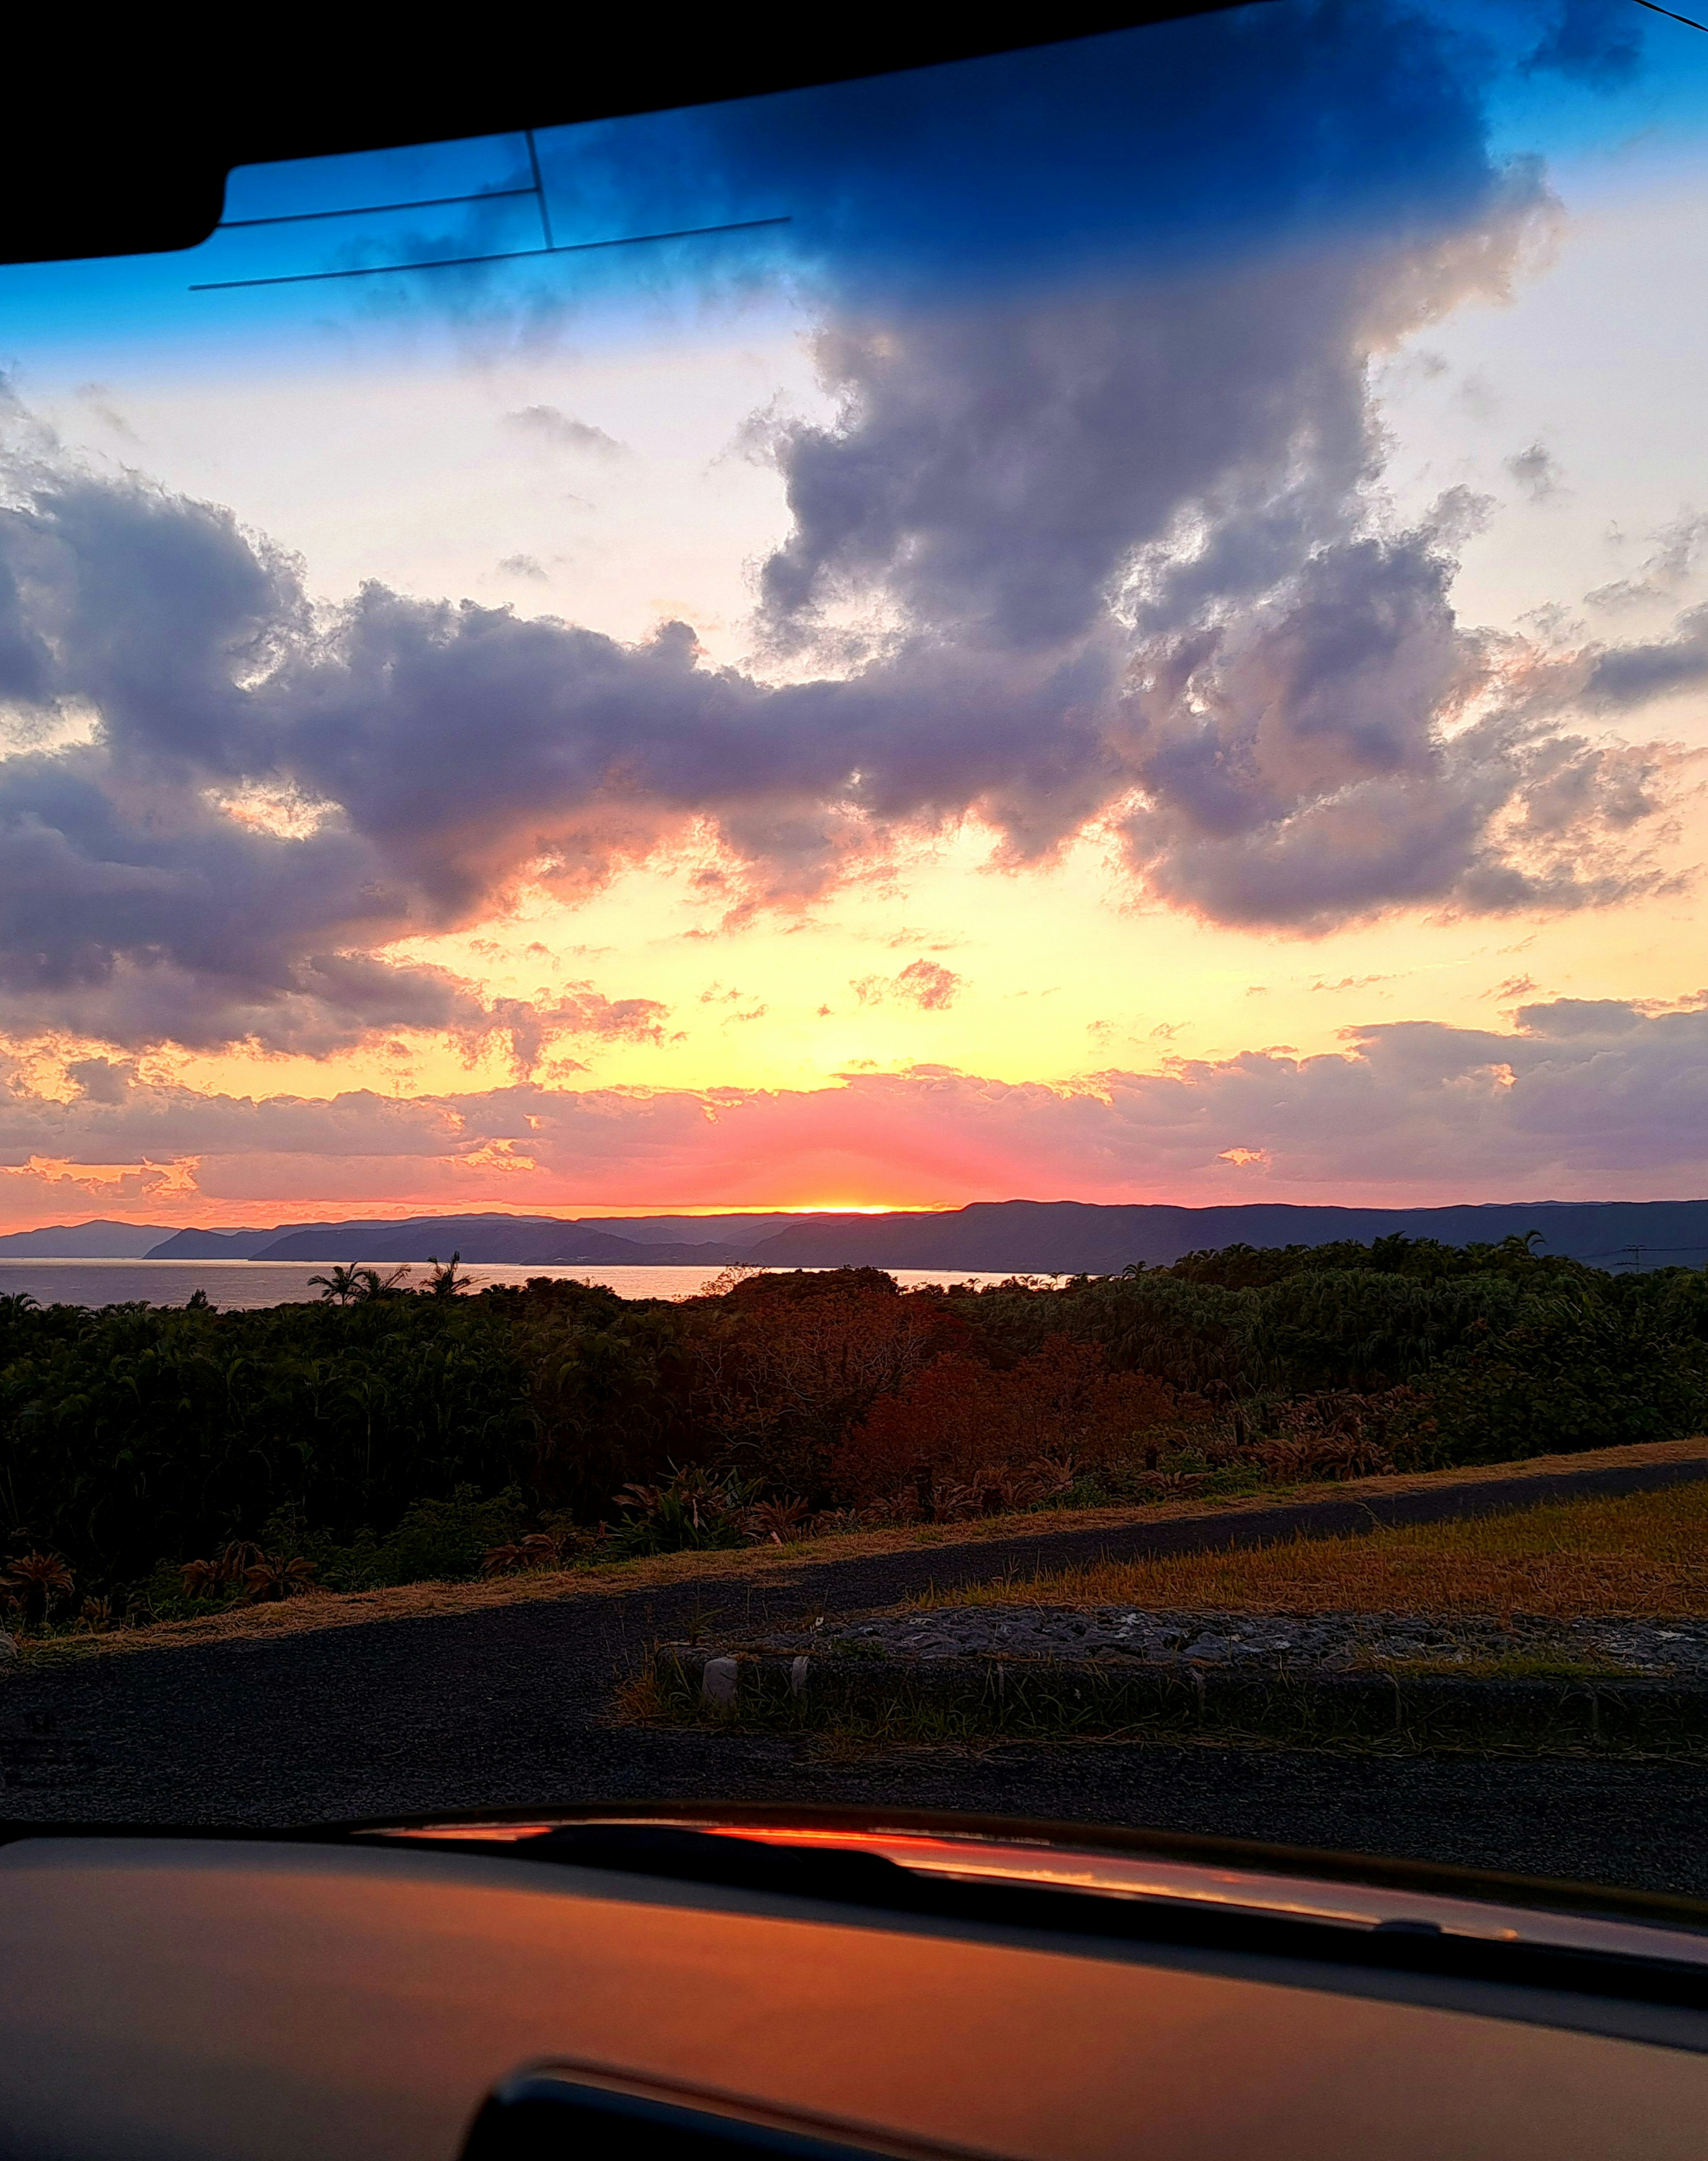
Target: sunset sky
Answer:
pixel 1137 630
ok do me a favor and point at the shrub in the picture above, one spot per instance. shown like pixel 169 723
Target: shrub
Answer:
pixel 434 1541
pixel 692 1511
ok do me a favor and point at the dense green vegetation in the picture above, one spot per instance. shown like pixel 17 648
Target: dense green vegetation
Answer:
pixel 388 1436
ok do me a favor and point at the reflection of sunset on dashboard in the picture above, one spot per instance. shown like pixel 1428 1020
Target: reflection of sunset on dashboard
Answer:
pixel 1127 623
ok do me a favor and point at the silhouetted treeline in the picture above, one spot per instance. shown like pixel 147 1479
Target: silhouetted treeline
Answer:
pixel 400 1434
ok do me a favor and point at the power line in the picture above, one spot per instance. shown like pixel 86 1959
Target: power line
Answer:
pixel 1609 1252
pixel 1689 21
pixel 369 209
pixel 551 246
pixel 511 255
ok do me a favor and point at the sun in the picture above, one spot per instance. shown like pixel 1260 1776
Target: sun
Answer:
pixel 838 1208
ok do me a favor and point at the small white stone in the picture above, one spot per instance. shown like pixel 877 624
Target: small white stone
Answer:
pixel 797 1675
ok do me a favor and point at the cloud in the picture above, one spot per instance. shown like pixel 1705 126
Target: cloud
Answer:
pixel 1630 675
pixel 1576 1100
pixel 715 994
pixel 524 566
pixel 923 983
pixel 1596 42
pixel 1580 1100
pixel 97 399
pixel 1297 766
pixel 1664 573
pixel 1095 542
pixel 1281 736
pixel 1144 328
pixel 1536 471
pixel 562 431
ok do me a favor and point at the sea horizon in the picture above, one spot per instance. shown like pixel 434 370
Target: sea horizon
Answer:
pixel 248 1286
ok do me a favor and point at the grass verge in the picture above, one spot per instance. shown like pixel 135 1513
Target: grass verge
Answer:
pixel 786 1564
pixel 1635 1556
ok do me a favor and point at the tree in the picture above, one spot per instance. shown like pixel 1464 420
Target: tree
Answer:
pixel 342 1285
pixel 959 1419
pixel 371 1284
pixel 444 1282
pixel 791 1363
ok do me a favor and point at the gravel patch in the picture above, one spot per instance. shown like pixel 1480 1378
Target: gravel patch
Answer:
pixel 1256 1643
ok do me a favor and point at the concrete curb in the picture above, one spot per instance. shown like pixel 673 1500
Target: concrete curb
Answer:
pixel 763 1690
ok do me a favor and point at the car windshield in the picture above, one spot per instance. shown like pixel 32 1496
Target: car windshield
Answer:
pixel 850 950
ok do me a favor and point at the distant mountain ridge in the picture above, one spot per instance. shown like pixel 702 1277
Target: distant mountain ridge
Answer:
pixel 491 1239
pixel 99 1241
pixel 1022 1237
pixel 1073 1237
pixel 1036 1238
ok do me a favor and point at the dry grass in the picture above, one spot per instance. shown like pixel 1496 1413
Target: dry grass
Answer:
pixel 1642 1555
pixel 419 1602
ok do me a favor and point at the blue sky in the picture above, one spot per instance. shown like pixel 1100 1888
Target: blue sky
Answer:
pixel 1152 146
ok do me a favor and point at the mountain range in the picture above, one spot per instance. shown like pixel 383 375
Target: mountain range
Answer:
pixel 1039 1237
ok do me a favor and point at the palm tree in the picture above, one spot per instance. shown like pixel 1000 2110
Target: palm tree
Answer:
pixel 342 1284
pixel 445 1282
pixel 371 1284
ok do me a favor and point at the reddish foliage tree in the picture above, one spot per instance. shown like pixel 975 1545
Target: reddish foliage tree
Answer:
pixel 789 1364
pixel 959 1420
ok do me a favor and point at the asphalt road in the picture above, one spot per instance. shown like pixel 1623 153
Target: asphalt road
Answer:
pixel 511 1708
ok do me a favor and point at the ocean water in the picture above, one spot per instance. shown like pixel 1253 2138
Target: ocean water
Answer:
pixel 243 1285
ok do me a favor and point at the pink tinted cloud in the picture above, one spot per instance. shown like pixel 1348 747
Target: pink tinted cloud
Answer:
pixel 1584 1100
